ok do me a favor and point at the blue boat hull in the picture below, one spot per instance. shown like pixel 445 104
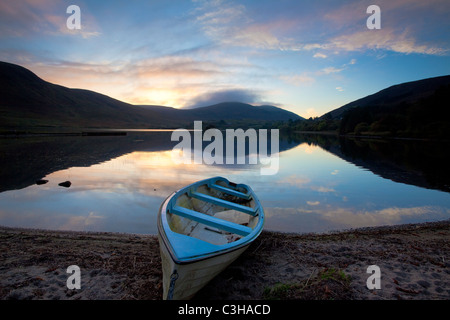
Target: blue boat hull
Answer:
pixel 202 228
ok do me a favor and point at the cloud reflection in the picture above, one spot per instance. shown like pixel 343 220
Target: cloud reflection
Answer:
pixel 123 194
pixel 323 218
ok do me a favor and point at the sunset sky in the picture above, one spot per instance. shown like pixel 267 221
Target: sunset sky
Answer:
pixel 308 57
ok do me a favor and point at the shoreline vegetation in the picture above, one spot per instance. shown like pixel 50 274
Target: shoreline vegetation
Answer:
pixel 284 130
pixel 124 133
pixel 413 259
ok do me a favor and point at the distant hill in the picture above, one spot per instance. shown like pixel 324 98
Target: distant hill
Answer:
pixel 418 109
pixel 242 111
pixel 408 92
pixel 28 101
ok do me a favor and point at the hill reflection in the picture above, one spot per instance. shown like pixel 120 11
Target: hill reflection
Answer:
pixel 415 162
pixel 25 160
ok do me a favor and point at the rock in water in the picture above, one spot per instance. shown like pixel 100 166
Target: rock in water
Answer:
pixel 66 184
pixel 41 181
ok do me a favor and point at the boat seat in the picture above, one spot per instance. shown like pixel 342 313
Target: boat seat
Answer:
pixel 230 191
pixel 223 203
pixel 211 221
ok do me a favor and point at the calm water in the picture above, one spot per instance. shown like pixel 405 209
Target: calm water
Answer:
pixel 118 183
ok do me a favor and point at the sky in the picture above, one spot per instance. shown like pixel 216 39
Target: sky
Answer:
pixel 308 57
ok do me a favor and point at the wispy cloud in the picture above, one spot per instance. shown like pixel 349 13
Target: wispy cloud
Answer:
pixel 308 78
pixel 384 39
pixel 184 53
pixel 330 70
pixel 298 80
pixel 175 67
pixel 46 17
pixel 232 24
pixel 171 80
pixel 320 55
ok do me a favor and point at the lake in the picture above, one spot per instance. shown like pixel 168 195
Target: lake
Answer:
pixel 324 183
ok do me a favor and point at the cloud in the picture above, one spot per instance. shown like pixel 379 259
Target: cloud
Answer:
pixel 320 55
pixel 340 89
pixel 405 27
pixel 178 67
pixel 298 80
pixel 28 18
pixel 330 70
pixel 226 95
pixel 169 80
pixel 307 78
pixel 384 39
pixel 218 12
pixel 231 24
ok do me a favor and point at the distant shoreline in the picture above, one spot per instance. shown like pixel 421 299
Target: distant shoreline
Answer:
pixel 368 137
pixel 122 132
pixel 414 261
pixel 83 132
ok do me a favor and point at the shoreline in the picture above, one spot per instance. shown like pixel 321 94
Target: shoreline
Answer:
pixel 414 262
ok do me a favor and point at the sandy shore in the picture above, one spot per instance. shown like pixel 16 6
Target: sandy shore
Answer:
pixel 414 262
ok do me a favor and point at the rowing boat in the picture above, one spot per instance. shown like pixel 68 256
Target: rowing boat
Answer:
pixel 203 228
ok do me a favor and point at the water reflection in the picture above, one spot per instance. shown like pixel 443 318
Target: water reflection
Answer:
pixel 421 163
pixel 118 183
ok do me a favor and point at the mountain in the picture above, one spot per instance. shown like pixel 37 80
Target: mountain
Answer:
pixel 417 109
pixel 404 93
pixel 242 111
pixel 29 101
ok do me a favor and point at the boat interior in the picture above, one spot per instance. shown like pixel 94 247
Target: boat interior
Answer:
pixel 217 212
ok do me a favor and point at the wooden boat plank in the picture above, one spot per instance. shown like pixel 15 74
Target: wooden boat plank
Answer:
pixel 230 191
pixel 223 203
pixel 212 221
